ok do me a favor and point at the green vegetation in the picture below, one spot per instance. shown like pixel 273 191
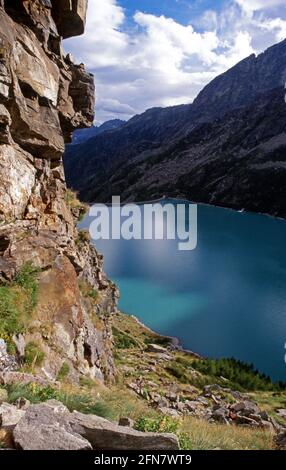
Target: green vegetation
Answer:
pixel 17 302
pixel 158 424
pixel 75 204
pixel 123 340
pixel 83 237
pixel 34 356
pixel 243 376
pixel 87 290
pixel 178 371
pixel 63 372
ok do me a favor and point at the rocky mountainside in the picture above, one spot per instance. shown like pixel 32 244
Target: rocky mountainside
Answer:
pixel 227 148
pixel 82 135
pixel 55 300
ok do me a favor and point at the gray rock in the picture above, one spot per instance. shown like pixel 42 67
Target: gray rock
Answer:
pixel 281 412
pixel 7 361
pixel 169 412
pixel 161 402
pixel 10 415
pixel 155 348
pixel 280 440
pixel 50 426
pixel 126 422
pixel 20 344
pixel 105 435
pixel 245 420
pixel 245 408
pixel 220 415
pixel 46 427
pixel 22 403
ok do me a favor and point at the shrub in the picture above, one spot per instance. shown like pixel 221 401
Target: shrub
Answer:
pixel 34 356
pixel 123 340
pixel 178 371
pixel 73 202
pixel 83 237
pixel 241 375
pixel 159 424
pixel 87 290
pixel 17 302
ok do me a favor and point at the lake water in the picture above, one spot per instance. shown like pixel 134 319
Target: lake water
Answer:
pixel 227 298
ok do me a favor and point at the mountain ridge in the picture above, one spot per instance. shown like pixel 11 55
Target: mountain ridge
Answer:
pixel 130 153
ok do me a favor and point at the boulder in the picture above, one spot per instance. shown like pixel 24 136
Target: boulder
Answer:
pixel 50 426
pixel 10 416
pixel 155 348
pixel 220 414
pixel 46 427
pixel 280 440
pixel 281 412
pixel 70 17
pixel 245 408
pixel 105 435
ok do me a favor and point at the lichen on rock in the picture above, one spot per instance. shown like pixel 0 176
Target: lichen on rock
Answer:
pixel 44 97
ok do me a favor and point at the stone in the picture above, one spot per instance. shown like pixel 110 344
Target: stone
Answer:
pixel 50 426
pixel 281 412
pixel 169 412
pixel 22 403
pixel 46 427
pixel 155 348
pixel 123 421
pixel 7 361
pixel 20 344
pixel 220 415
pixel 245 407
pixel 70 17
pixel 161 402
pixel 245 420
pixel 105 435
pixel 280 440
pixel 10 415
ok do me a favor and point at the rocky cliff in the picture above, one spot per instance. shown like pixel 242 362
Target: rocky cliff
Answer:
pixel 226 148
pixel 44 97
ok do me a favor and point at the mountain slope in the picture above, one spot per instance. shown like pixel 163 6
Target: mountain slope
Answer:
pixel 82 135
pixel 221 149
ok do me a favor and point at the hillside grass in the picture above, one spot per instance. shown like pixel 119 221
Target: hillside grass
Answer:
pixel 18 300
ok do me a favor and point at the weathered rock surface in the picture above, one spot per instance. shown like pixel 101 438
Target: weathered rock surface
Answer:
pixel 10 415
pixel 44 97
pixel 50 426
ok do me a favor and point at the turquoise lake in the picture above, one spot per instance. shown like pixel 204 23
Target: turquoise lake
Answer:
pixel 227 298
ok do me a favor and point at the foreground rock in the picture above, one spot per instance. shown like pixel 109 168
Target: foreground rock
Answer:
pixel 50 426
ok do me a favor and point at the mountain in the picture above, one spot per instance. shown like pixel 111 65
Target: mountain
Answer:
pixel 226 148
pixel 82 135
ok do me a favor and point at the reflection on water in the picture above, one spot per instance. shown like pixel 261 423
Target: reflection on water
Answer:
pixel 226 298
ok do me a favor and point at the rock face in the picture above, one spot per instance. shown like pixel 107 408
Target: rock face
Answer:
pixel 50 426
pixel 44 97
pixel 227 148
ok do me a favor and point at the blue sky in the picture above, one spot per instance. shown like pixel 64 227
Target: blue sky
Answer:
pixel 147 53
pixel 182 11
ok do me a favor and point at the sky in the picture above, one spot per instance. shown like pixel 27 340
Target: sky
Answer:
pixel 147 53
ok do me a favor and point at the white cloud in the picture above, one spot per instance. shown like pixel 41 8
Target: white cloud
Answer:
pixel 255 5
pixel 155 61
